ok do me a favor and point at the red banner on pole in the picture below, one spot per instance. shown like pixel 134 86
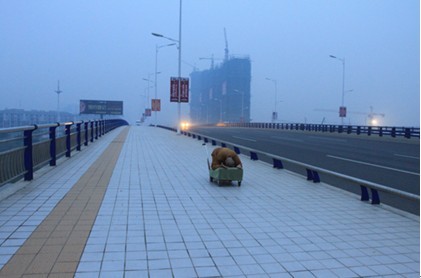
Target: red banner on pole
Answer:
pixel 342 111
pixel 174 89
pixel 156 105
pixel 148 112
pixel 184 97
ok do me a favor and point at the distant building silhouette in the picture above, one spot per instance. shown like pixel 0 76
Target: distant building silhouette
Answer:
pixel 20 117
pixel 221 93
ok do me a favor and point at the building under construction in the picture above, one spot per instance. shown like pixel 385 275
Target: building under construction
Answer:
pixel 221 93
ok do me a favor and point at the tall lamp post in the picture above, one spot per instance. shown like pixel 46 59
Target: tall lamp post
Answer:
pixel 242 103
pixel 156 72
pixel 179 65
pixel 275 118
pixel 342 108
pixel 58 100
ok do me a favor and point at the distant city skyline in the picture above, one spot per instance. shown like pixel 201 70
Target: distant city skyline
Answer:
pixel 104 50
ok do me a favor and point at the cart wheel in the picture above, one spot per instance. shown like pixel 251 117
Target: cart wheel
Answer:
pixel 219 182
pixel 211 179
pixel 239 183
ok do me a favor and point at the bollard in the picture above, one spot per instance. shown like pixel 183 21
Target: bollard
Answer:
pixel 364 193
pixel 253 156
pixel 277 164
pixel 375 199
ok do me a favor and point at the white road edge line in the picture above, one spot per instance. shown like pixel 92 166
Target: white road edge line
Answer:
pixel 243 138
pixel 374 165
pixel 407 156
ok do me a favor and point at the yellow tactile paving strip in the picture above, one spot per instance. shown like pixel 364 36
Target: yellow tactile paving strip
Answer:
pixel 55 247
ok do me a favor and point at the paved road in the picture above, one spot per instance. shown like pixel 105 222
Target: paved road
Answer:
pixel 393 162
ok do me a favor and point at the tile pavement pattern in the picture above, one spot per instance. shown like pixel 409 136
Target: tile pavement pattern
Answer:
pixel 161 217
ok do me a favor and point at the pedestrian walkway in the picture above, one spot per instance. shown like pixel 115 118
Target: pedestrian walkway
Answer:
pixel 138 203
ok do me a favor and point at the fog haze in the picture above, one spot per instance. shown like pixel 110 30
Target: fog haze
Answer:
pixel 104 50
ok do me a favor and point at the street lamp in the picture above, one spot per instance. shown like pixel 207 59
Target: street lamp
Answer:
pixel 156 72
pixel 276 98
pixel 179 65
pixel 343 87
pixel 220 108
pixel 242 103
pixel 58 100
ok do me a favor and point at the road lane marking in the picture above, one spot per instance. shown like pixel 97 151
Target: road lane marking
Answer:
pixel 339 140
pixel 407 156
pixel 244 138
pixel 374 165
pixel 287 139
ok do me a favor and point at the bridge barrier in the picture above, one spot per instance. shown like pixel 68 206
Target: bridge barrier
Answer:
pixel 406 132
pixel 313 173
pixel 26 149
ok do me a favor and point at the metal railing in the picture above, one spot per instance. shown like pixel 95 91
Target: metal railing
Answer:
pixel 25 149
pixel 313 172
pixel 406 132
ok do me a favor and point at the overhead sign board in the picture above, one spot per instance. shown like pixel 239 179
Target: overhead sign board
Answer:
pixel 102 107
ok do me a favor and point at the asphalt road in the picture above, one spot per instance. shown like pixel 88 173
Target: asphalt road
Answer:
pixel 394 162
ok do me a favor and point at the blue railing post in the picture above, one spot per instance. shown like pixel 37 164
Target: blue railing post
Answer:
pixel 393 131
pixel 78 136
pixel 28 161
pixel 96 129
pixel 86 133
pixel 53 154
pixel 68 141
pixel 92 131
pixel 407 133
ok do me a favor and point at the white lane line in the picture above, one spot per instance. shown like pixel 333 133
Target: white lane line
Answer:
pixel 287 139
pixel 244 138
pixel 374 165
pixel 407 156
pixel 328 139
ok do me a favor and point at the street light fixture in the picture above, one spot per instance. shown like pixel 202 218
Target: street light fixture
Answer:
pixel 58 100
pixel 179 65
pixel 156 72
pixel 242 103
pixel 343 86
pixel 275 118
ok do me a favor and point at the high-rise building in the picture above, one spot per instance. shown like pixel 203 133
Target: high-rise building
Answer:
pixel 221 93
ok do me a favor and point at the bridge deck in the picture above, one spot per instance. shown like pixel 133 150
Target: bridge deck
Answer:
pixel 138 203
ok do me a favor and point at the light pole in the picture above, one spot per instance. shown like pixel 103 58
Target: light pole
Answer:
pixel 179 65
pixel 275 118
pixel 156 72
pixel 242 103
pixel 343 87
pixel 58 101
pixel 220 108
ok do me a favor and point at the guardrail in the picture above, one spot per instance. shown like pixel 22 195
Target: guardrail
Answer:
pixel 25 149
pixel 407 132
pixel 313 172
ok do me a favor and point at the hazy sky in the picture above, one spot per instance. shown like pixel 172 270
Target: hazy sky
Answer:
pixel 104 50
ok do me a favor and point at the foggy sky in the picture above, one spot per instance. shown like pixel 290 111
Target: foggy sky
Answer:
pixel 104 49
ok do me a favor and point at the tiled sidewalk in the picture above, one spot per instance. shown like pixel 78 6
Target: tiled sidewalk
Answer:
pixel 161 217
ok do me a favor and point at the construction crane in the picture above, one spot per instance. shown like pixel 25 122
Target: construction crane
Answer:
pixel 210 58
pixel 226 45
